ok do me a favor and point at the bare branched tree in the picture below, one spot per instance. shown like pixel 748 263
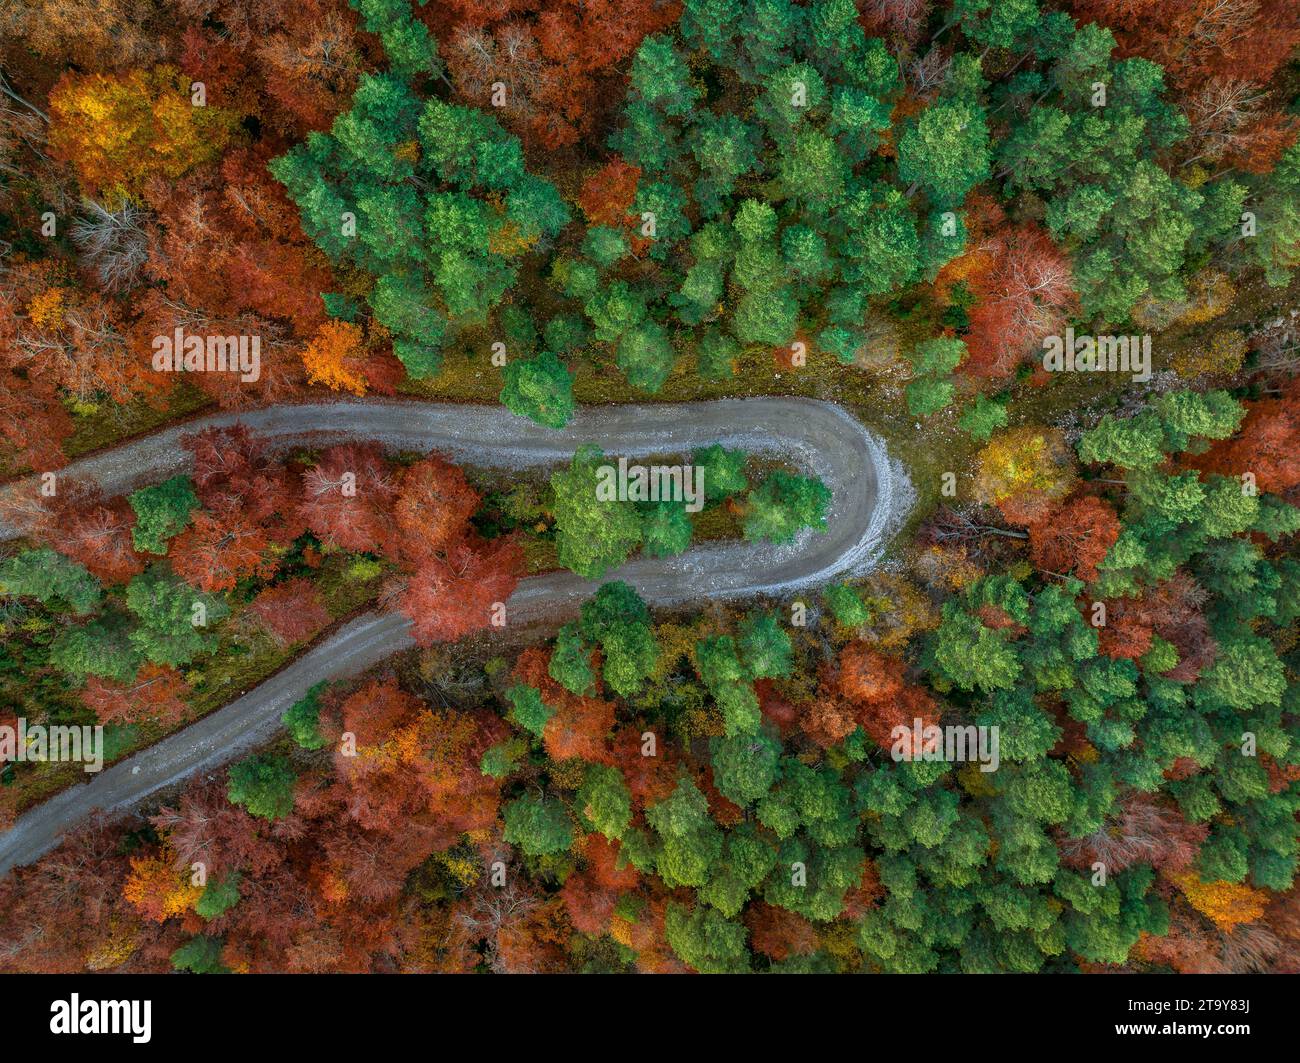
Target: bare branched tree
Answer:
pixel 113 243
pixel 927 73
pixel 1277 346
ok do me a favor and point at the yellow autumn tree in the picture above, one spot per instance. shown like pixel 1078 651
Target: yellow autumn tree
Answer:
pixel 900 610
pixel 46 309
pixel 333 357
pixel 1023 469
pixel 158 888
pixel 1220 355
pixel 1226 904
pixel 116 946
pixel 1209 295
pixel 510 241
pixel 118 131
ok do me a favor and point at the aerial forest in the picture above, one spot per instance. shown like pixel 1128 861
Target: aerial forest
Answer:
pixel 467 231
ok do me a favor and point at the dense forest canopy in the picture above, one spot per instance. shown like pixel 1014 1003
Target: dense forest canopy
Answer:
pixel 897 206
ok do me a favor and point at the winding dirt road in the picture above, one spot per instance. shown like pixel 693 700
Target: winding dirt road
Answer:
pixel 869 499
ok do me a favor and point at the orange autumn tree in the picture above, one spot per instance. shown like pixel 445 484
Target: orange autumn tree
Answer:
pixel 1074 537
pixel 117 131
pixel 379 765
pixel 434 505
pixel 591 893
pixel 1023 296
pixel 455 579
pixel 1267 446
pixel 91 34
pixel 1226 904
pixel 881 698
pixel 333 357
pixel 159 888
pixel 457 591
pixel 59 341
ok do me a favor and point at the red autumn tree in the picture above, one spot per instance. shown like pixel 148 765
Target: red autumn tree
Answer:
pixel 32 420
pixel 775 707
pixel 901 19
pixel 228 242
pixel 311 64
pixel 247 509
pixel 433 507
pixel 866 895
pixel 59 331
pixel 290 612
pixel 347 497
pixel 376 711
pixel 95 532
pixel 558 60
pixel 294 65
pixel 1218 55
pixel 607 194
pixel 1074 537
pixel 157 694
pixel 1267 445
pixel 1024 295
pixel 602 862
pixel 537 943
pixel 57 339
pixel 1188 948
pixel 1233 122
pixel 461 798
pixel 1197 39
pixel 203 826
pixel 381 771
pixel 229 257
pixel 779 933
pixel 883 698
pixel 57 915
pixel 1144 832
pixel 1174 611
pixel 232 464
pixel 372 866
pixel 453 593
pixel 580 726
